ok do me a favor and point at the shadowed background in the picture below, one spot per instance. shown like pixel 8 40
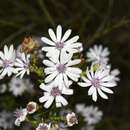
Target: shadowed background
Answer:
pixel 97 22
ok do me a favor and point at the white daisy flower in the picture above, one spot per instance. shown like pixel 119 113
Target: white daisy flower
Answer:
pixel 92 115
pixel 98 54
pixel 43 126
pixel 114 73
pixel 7 60
pixel 6 120
pixel 20 115
pixel 54 91
pixel 22 65
pixel 19 86
pixel 71 119
pixel 59 43
pixel 100 81
pixel 62 69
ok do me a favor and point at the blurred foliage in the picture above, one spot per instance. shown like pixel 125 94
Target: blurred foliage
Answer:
pixel 97 22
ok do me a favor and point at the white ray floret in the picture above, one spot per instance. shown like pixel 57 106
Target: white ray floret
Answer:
pixel 54 91
pixel 22 65
pixel 63 69
pixel 59 43
pixel 98 54
pixel 18 86
pixel 99 81
pixel 7 61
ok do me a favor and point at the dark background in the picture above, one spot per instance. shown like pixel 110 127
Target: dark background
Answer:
pixel 103 22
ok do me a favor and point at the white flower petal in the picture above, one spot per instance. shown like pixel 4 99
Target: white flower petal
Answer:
pixel 58 104
pixel 108 84
pixel 66 80
pixel 91 90
pixel 103 95
pixel 48 48
pixel 48 63
pixel 59 33
pixel 73 62
pixel 74 70
pixel 47 41
pixel 67 91
pixel 65 57
pixel 6 52
pixel 66 35
pixel 49 102
pixel 107 90
pixel 72 76
pixel 94 95
pixel 51 77
pixel 49 70
pixel 52 35
pixel 82 84
pixel 43 99
pixel 86 80
pixel 72 40
pixel 62 100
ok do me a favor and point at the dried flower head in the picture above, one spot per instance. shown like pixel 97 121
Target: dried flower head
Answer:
pixel 31 107
pixel 28 44
pixel 71 119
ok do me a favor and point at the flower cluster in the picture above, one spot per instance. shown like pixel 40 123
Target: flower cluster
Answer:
pixel 11 64
pixel 57 69
pixel 60 70
pixel 99 77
